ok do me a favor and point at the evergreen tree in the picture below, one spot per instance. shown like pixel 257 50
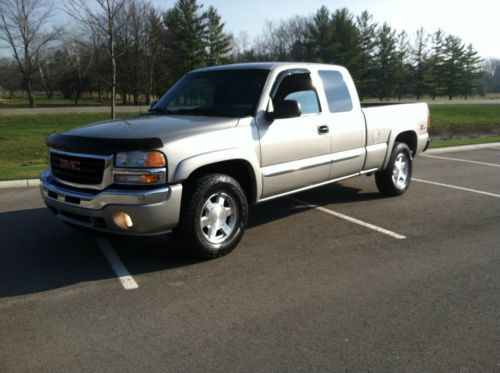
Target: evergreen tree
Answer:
pixel 367 43
pixel 403 65
pixel 433 75
pixel 218 43
pixel 345 41
pixel 385 61
pixel 471 72
pixel 156 56
pixel 319 36
pixel 419 57
pixel 453 70
pixel 186 24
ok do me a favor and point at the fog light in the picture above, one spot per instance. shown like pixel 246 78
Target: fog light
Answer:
pixel 123 220
pixel 137 179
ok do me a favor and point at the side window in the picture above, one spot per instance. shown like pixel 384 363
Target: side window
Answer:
pixel 337 93
pixel 298 87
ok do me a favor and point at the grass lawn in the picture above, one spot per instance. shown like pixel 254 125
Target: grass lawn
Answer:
pixel 45 102
pixel 451 117
pixel 23 153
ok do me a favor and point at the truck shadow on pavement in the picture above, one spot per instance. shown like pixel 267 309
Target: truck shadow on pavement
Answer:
pixel 39 253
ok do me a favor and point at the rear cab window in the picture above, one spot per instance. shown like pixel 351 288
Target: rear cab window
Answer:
pixel 337 93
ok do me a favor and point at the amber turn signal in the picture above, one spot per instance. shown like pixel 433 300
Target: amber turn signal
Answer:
pixel 149 179
pixel 155 159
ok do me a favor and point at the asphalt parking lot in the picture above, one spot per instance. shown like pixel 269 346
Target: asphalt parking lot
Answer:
pixel 336 279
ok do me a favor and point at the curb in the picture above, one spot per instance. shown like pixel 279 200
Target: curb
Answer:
pixel 30 183
pixel 461 148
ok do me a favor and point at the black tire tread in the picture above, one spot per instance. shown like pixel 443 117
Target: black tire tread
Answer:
pixel 383 178
pixel 194 194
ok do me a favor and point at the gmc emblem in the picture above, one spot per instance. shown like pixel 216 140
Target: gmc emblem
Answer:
pixel 69 165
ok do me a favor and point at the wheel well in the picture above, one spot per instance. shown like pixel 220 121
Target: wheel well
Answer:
pixel 410 139
pixel 238 169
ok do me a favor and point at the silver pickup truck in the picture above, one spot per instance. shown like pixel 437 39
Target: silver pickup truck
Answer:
pixel 223 138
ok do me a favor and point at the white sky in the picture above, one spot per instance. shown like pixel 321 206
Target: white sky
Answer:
pixel 476 22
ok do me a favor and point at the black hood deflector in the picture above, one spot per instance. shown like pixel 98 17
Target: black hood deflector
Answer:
pixel 96 145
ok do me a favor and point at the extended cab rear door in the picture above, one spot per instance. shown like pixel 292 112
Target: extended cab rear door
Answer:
pixel 346 121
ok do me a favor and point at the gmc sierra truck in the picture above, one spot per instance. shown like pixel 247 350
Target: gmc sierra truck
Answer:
pixel 223 138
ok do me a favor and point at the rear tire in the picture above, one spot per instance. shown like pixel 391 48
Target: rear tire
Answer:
pixel 213 217
pixel 396 178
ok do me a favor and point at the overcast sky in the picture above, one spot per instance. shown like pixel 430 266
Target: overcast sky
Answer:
pixel 476 22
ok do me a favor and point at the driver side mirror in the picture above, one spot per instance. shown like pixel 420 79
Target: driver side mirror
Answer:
pixel 285 109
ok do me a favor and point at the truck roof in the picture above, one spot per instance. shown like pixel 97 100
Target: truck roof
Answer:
pixel 260 66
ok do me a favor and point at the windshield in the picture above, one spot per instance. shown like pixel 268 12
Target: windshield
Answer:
pixel 224 93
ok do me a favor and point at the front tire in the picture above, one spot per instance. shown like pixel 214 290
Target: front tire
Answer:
pixel 213 217
pixel 396 178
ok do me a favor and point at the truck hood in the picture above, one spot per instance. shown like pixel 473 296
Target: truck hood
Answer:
pixel 164 127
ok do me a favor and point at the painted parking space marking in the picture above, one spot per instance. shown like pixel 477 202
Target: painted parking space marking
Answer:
pixel 115 262
pixel 351 219
pixel 462 160
pixel 457 187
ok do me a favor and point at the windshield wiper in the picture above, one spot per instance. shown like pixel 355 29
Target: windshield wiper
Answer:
pixel 160 110
pixel 194 111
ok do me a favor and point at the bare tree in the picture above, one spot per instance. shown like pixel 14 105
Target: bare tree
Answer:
pixel 77 55
pixel 48 72
pixel 106 18
pixel 23 28
pixel 10 79
pixel 284 40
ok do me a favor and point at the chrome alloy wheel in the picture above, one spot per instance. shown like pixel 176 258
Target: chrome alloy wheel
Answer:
pixel 401 171
pixel 219 217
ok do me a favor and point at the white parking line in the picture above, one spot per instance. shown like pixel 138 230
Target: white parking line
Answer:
pixel 462 160
pixel 121 271
pixel 350 219
pixel 457 187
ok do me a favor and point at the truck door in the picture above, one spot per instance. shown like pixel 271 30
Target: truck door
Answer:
pixel 346 122
pixel 294 150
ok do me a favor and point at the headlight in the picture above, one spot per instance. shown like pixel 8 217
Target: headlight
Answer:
pixel 140 159
pixel 140 167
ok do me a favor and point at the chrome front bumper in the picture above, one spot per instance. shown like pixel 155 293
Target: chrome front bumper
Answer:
pixel 153 211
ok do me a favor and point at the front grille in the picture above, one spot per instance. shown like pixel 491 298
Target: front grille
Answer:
pixel 80 170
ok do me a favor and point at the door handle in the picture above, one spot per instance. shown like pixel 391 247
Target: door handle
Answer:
pixel 323 130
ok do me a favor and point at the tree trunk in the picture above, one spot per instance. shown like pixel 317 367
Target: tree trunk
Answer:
pixel 46 88
pixel 31 92
pixel 113 85
pixel 113 66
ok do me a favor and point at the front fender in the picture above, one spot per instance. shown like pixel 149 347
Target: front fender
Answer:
pixel 186 167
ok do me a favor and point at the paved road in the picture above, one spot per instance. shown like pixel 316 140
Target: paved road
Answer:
pixel 73 109
pixel 143 109
pixel 305 290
